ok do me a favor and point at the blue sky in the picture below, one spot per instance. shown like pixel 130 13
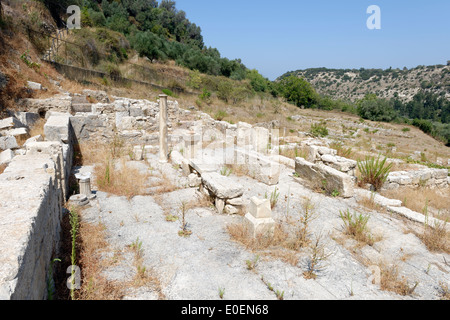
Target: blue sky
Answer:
pixel 279 36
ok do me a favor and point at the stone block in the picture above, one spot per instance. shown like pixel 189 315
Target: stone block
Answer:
pixel 229 209
pixel 10 123
pixel 259 166
pixel 221 186
pixel 260 139
pixel 27 118
pixel 194 180
pixel 57 128
pixel 259 227
pixel 34 85
pixel 6 156
pixel 220 205
pixel 260 208
pixel 319 175
pixel 8 142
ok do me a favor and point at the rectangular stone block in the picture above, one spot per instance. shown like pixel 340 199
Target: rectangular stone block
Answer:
pixel 259 167
pixel 319 175
pixel 57 128
pixel 260 208
pixel 10 123
pixel 259 227
pixel 8 142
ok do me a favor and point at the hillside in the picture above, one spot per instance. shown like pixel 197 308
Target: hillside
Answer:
pixel 354 84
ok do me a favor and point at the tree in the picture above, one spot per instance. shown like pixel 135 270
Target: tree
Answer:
pixel 149 44
pixel 257 81
pixel 377 110
pixel 298 91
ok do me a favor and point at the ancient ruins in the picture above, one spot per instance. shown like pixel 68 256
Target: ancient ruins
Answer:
pixel 199 155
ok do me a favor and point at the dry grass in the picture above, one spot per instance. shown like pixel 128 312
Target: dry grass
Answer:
pixel 299 151
pixel 444 292
pixel 38 128
pixel 200 201
pixel 288 237
pixel 355 226
pixel 143 276
pixel 436 238
pixel 390 280
pixel 239 170
pixel 369 203
pixel 279 246
pixel 124 181
pixel 317 258
pixel 436 200
pixel 91 244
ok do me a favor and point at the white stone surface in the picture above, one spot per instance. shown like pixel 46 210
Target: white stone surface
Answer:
pixel 221 186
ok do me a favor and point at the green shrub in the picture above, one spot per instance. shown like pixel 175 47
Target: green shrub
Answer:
pixel 168 92
pixel 220 115
pixel 319 129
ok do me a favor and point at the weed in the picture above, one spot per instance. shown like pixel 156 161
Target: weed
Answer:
pixel 273 197
pixel 184 232
pixel 251 264
pixel 341 150
pixel 335 193
pixel 307 215
pixel 221 292
pixel 279 294
pixel 390 281
pixel 374 171
pixel 25 57
pixel 316 259
pixel 50 281
pixel 171 218
pixel 436 237
pixel 444 292
pixel 220 115
pixel 356 226
pixel 226 171
pixel 75 225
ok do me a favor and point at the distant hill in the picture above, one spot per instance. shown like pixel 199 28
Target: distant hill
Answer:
pixel 354 84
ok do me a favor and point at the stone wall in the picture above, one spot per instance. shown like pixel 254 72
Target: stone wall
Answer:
pixel 425 177
pixel 32 192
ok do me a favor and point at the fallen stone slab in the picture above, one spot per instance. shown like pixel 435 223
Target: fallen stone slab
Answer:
pixel 181 161
pixel 202 168
pixel 288 162
pixel 37 138
pixel 27 118
pixel 81 107
pixel 320 175
pixel 34 85
pixel 79 200
pixel 377 198
pixel 8 142
pixel 30 214
pixel 6 156
pixel 17 132
pixel 222 187
pixel 417 217
pixel 10 123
